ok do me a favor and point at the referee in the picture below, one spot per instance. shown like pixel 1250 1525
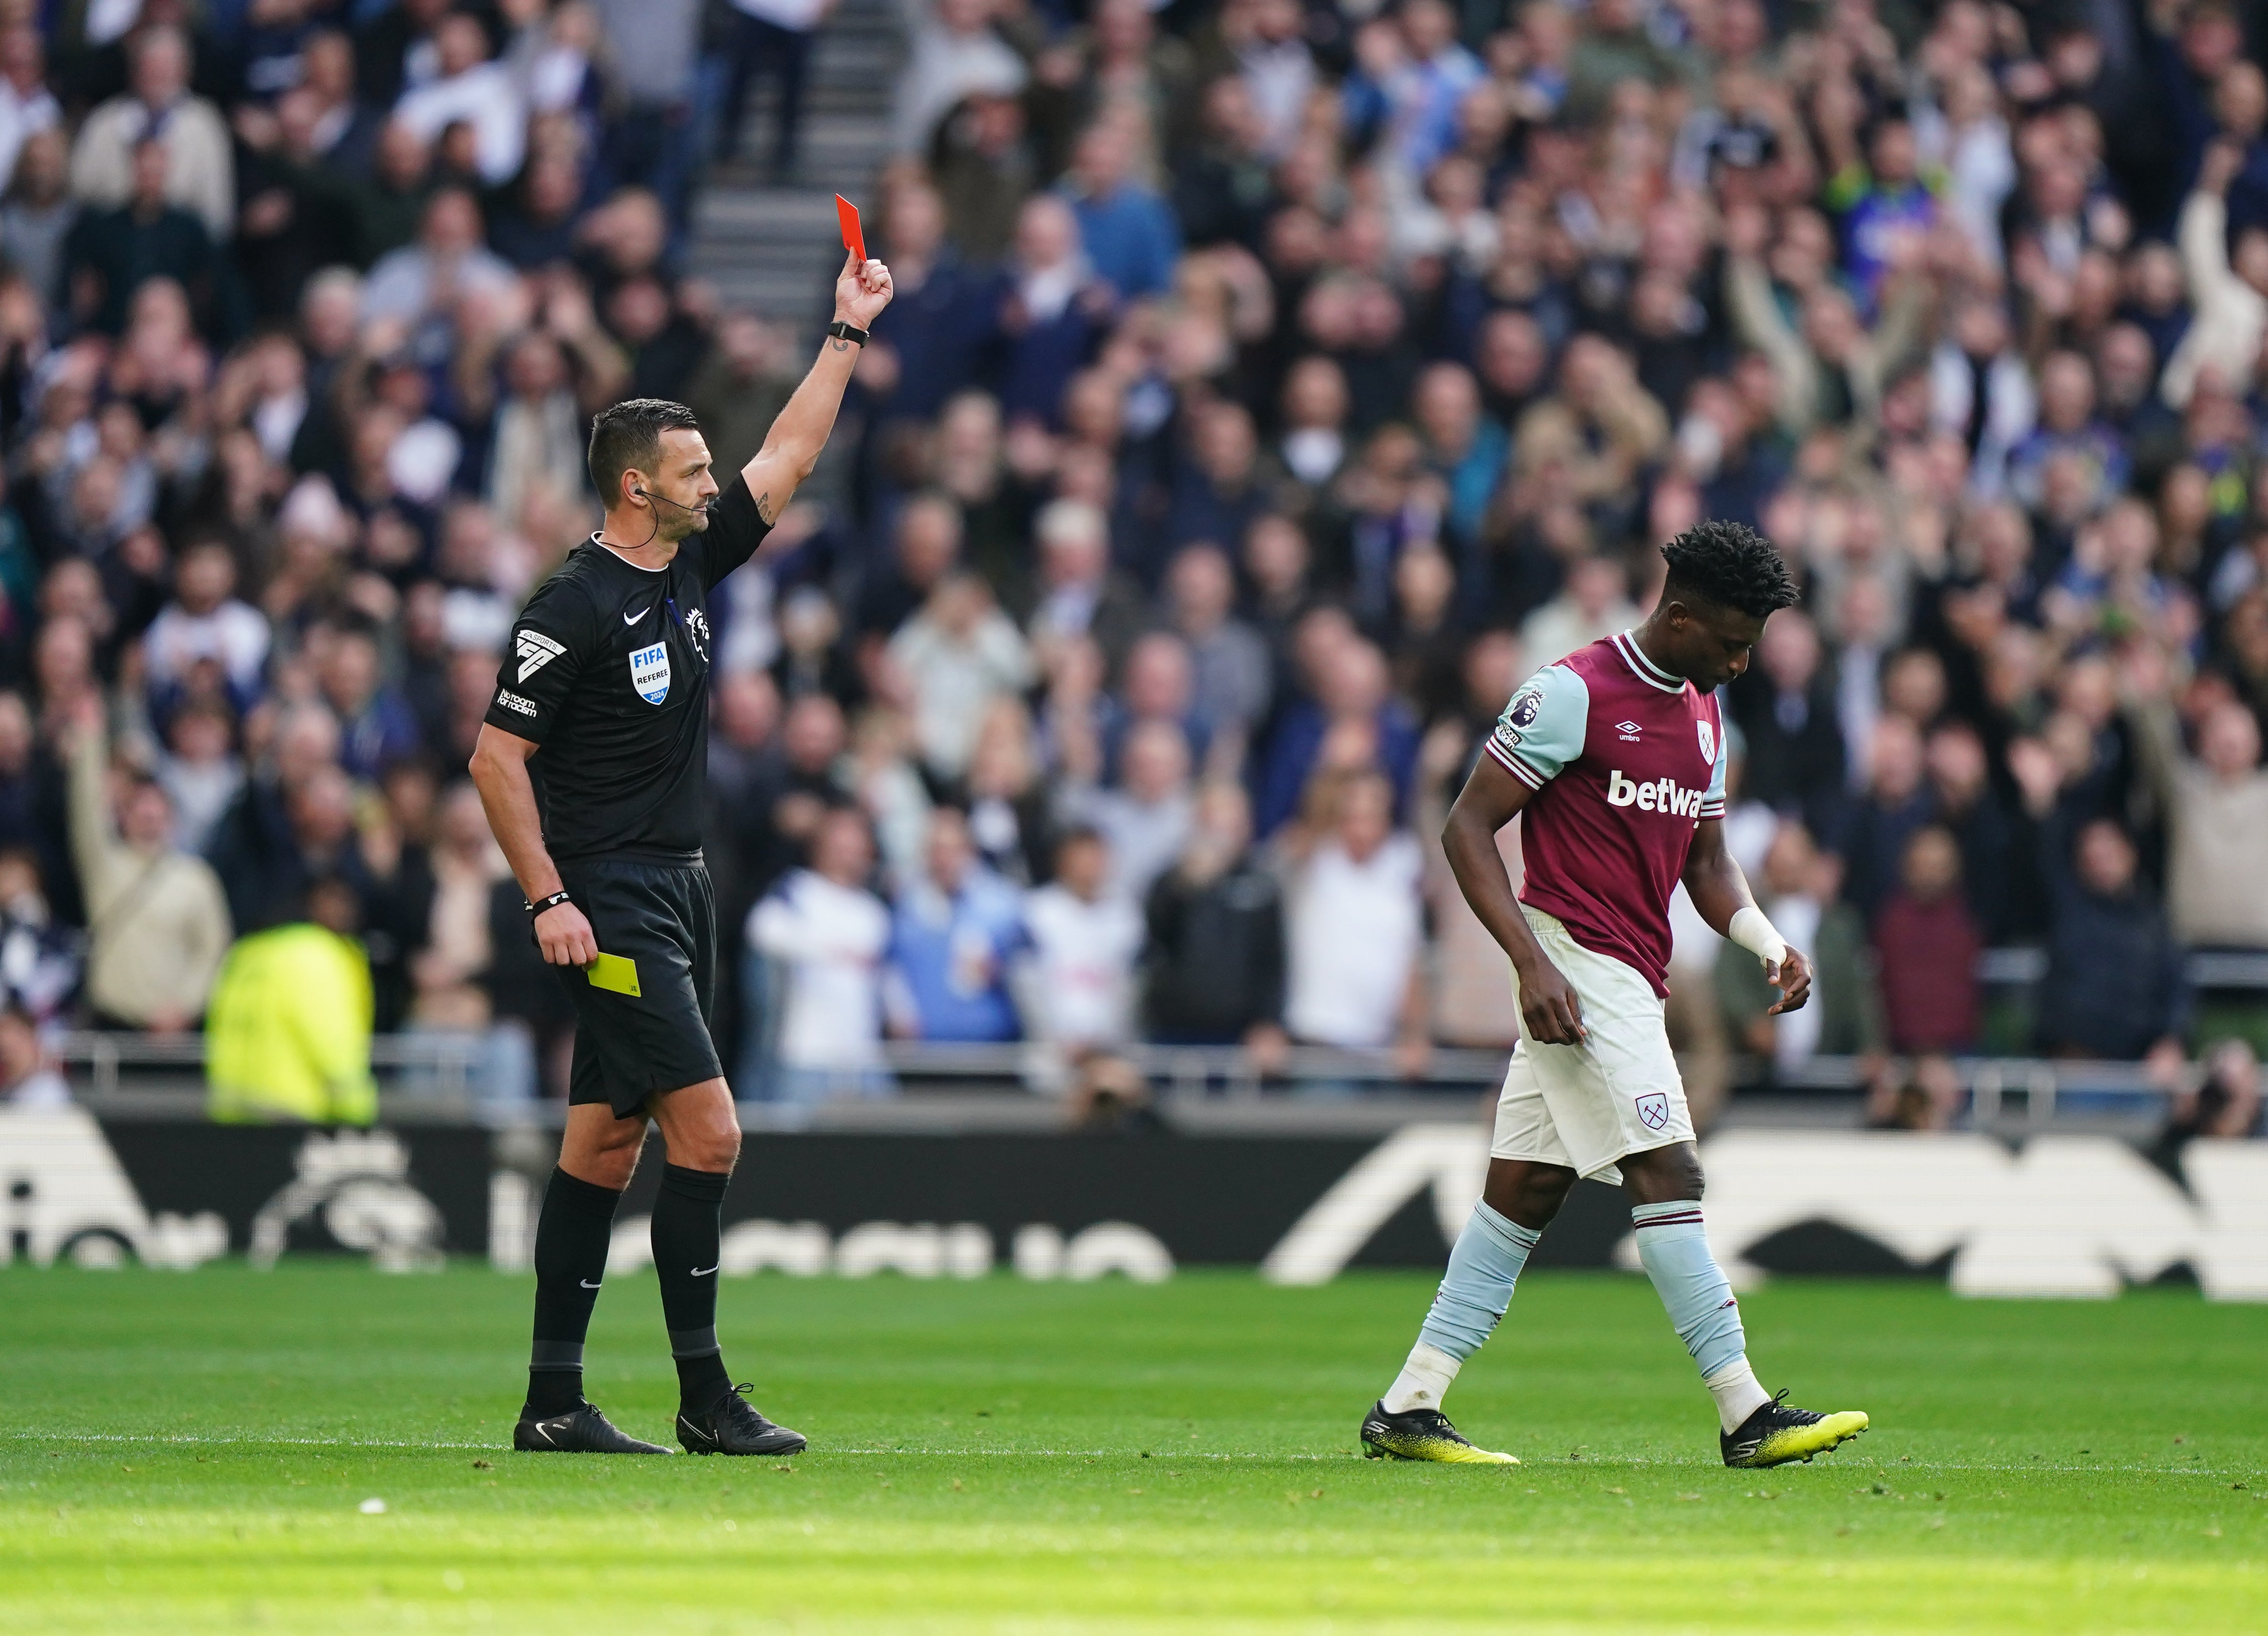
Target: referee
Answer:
pixel 591 764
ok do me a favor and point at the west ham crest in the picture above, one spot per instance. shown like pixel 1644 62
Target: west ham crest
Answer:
pixel 1708 740
pixel 1654 1107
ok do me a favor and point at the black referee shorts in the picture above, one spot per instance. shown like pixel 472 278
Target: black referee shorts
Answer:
pixel 664 917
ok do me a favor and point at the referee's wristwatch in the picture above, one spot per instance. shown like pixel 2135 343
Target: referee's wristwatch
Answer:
pixel 842 331
pixel 542 904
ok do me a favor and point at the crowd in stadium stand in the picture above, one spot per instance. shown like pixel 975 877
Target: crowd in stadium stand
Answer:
pixel 1271 385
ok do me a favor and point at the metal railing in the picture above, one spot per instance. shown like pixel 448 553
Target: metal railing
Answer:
pixel 435 1074
pixel 104 1057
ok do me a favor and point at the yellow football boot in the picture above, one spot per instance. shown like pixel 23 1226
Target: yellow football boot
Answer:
pixel 1422 1434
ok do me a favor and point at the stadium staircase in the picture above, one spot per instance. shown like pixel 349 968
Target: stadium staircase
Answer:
pixel 771 246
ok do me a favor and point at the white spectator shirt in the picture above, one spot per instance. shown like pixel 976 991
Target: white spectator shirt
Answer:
pixel 21 117
pixel 1355 935
pixel 235 634
pixel 1082 965
pixel 832 940
pixel 483 97
pixel 801 16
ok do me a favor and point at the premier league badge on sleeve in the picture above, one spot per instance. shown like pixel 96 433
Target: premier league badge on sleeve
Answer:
pixel 1525 708
pixel 650 672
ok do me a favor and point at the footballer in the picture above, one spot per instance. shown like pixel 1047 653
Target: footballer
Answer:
pixel 1615 755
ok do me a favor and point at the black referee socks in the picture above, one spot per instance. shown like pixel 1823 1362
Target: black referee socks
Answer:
pixel 687 1231
pixel 571 1264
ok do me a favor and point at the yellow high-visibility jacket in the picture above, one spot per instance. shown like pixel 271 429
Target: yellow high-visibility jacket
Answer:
pixel 288 1033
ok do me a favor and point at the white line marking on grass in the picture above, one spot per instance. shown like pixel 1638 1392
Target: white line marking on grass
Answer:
pixel 1910 1470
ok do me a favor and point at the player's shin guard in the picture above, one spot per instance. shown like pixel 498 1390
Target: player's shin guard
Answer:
pixel 1473 1295
pixel 1673 1247
pixel 687 1232
pixel 570 1263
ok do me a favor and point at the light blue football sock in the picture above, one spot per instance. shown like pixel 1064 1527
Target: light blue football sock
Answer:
pixel 1673 1247
pixel 1474 1293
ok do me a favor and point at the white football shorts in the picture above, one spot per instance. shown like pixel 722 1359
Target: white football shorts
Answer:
pixel 1585 1106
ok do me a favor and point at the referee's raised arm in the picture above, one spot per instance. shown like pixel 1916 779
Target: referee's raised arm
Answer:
pixel 792 448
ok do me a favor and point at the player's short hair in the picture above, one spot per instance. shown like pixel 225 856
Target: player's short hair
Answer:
pixel 1731 565
pixel 630 435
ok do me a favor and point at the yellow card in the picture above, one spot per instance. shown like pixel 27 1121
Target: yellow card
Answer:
pixel 614 971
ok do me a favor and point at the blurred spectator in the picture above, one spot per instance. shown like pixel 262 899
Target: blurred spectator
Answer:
pixel 958 654
pixel 110 253
pixel 465 88
pixel 1109 1097
pixel 1053 308
pixel 289 1036
pixel 1085 939
pixel 27 107
pixel 1784 709
pixel 1354 935
pixel 465 866
pixel 1928 943
pixel 158 924
pixel 2114 987
pixel 1928 1099
pixel 1230 680
pixel 956 931
pixel 1127 233
pixel 200 170
pixel 1594 605
pixel 2227 1104
pixel 37 213
pixel 40 961
pixel 199 771
pixel 1796 888
pixel 376 725
pixel 955 54
pixel 830 935
pixel 29 1079
pixel 771 39
pixel 2215 806
pixel 1145 820
pixel 1213 968
pixel 1080 593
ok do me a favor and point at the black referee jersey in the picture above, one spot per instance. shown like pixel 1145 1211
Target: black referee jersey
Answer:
pixel 608 674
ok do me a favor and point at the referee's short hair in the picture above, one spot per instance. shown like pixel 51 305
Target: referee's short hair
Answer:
pixel 630 435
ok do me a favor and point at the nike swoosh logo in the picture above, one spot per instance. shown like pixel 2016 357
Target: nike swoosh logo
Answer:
pixel 547 1436
pixel 587 1284
pixel 703 1272
pixel 632 618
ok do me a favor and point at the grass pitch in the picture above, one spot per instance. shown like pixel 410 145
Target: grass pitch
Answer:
pixel 193 1452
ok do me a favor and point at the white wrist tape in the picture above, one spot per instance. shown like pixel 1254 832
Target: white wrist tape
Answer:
pixel 1754 933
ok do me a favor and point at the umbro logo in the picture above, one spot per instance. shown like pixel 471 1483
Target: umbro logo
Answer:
pixel 1629 730
pixel 536 651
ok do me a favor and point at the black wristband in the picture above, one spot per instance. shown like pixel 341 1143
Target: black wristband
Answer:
pixel 552 902
pixel 847 332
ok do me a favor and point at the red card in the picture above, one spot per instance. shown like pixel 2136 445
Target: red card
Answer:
pixel 853 239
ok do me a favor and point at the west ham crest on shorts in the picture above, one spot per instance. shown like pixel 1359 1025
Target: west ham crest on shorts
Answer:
pixel 1654 1107
pixel 1708 740
pixel 650 671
